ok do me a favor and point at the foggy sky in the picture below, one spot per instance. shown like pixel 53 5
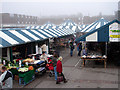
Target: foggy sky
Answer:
pixel 60 8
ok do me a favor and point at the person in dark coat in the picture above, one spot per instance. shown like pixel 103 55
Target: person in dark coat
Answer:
pixel 80 49
pixel 71 48
pixel 54 60
pixel 59 69
pixel 6 79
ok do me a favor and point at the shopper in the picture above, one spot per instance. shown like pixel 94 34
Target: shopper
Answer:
pixel 59 70
pixel 54 60
pixel 84 51
pixel 80 49
pixel 43 57
pixel 68 41
pixel 44 48
pixel 71 48
pixel 6 79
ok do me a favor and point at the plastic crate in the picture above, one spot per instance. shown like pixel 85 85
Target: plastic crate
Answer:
pixel 22 80
pixel 28 73
pixel 26 77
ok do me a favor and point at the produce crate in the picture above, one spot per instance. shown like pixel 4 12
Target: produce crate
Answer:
pixel 27 77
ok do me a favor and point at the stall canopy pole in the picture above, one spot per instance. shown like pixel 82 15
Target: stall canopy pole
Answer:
pixel 48 46
pixel 36 48
pixel 8 54
pixel 11 55
pixel 106 49
pixel 0 55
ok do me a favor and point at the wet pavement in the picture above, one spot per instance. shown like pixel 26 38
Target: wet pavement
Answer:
pixel 90 76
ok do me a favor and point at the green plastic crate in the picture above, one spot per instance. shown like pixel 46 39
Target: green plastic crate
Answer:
pixel 26 77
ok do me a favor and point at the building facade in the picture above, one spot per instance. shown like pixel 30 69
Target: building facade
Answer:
pixel 8 18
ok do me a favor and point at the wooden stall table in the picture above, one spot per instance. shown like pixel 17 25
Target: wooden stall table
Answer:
pixel 96 58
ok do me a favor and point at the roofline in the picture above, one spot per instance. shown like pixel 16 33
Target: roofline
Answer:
pixel 109 23
pixel 34 41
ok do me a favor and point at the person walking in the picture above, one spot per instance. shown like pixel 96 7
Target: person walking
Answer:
pixel 59 70
pixel 71 48
pixel 54 60
pixel 80 49
pixel 6 79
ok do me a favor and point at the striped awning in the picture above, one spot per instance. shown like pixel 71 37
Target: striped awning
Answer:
pixel 48 25
pixel 102 34
pixel 94 25
pixel 69 24
pixel 83 26
pixel 20 36
pixel 28 27
pixel 54 28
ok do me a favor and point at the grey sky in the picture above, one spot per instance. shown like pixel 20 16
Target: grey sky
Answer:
pixel 60 8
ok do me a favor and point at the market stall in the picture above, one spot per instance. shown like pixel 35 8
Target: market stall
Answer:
pixel 95 58
pixel 23 74
pixel 98 39
pixel 17 44
pixel 24 70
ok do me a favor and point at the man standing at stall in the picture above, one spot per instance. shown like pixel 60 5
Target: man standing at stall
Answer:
pixel 44 48
pixel 6 79
pixel 44 58
pixel 79 49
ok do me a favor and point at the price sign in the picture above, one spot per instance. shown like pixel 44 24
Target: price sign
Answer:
pixel 114 32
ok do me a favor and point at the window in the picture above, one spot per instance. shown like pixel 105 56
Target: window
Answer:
pixel 11 15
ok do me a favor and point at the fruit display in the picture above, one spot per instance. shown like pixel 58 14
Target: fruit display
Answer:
pixel 30 68
pixel 24 69
pixel 28 60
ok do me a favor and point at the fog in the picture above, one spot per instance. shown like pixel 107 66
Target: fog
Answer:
pixel 41 9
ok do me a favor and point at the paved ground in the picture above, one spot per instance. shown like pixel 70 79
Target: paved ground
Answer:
pixel 91 76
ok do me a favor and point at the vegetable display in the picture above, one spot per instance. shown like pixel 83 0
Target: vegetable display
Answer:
pixel 24 69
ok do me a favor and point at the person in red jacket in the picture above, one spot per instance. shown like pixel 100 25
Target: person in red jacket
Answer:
pixel 59 69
